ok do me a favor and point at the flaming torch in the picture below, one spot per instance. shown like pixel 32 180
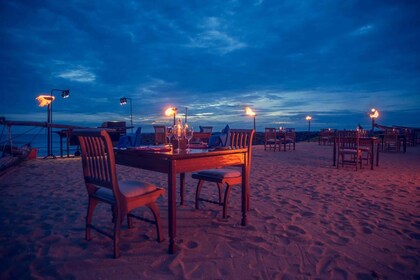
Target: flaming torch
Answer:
pixel 171 112
pixel 251 113
pixel 373 114
pixel 309 118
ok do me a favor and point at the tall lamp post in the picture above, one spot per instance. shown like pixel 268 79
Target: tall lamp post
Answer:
pixel 309 118
pixel 251 113
pixel 45 100
pixel 373 114
pixel 186 114
pixel 123 101
pixel 171 112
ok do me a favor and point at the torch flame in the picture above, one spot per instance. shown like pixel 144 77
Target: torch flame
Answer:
pixel 374 114
pixel 308 118
pixel 249 111
pixel 170 111
pixel 45 100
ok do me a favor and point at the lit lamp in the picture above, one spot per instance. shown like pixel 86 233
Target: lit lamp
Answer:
pixel 251 113
pixel 373 114
pixel 123 101
pixel 46 100
pixel 171 112
pixel 309 118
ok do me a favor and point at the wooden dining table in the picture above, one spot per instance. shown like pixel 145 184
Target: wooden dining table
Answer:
pixel 370 142
pixel 175 162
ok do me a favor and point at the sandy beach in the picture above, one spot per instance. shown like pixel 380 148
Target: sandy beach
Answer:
pixel 308 220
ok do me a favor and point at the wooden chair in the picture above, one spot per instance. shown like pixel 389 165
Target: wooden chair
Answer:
pixel 288 137
pixel 239 138
pixel 325 137
pixel 270 139
pixel 160 134
pixel 102 186
pixel 206 129
pixel 348 150
pixel 391 140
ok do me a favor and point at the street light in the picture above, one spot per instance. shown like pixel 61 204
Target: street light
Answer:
pixel 186 114
pixel 171 112
pixel 123 101
pixel 373 114
pixel 309 118
pixel 46 100
pixel 251 113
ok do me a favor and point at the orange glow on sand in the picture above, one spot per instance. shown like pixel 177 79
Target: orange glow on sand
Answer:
pixel 45 100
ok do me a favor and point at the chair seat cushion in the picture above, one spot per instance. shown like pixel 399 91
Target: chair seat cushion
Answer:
pixel 348 151
pixel 128 189
pixel 218 173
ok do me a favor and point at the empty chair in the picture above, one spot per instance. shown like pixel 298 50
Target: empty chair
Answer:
pixel 325 136
pixel 391 140
pixel 136 138
pixel 102 186
pixel 228 177
pixel 270 139
pixel 288 137
pixel 348 150
pixel 130 140
pixel 160 134
pixel 206 129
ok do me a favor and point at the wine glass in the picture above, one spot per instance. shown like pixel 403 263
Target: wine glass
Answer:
pixel 177 133
pixel 189 131
pixel 169 133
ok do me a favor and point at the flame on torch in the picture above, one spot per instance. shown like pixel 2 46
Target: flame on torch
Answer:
pixel 170 111
pixel 374 114
pixel 45 100
pixel 249 112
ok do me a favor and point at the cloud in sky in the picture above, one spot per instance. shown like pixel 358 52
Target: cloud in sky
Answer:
pixel 284 58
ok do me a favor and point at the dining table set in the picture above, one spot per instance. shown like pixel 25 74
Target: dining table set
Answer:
pixel 179 160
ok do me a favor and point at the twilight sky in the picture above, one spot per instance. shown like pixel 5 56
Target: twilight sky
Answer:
pixel 331 59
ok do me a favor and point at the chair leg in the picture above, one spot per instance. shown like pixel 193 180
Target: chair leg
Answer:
pixel 153 207
pixel 129 221
pixel 91 207
pixel 116 237
pixel 220 187
pixel 197 193
pixel 226 200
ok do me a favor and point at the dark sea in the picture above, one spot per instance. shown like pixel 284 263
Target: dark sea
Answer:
pixel 39 141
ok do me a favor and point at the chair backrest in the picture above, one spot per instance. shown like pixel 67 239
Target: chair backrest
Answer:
pixel 136 140
pixel 270 133
pixel 98 159
pixel 391 135
pixel 348 139
pixel 242 138
pixel 160 134
pixel 207 129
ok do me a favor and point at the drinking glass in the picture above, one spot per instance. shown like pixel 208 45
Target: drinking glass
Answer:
pixel 169 134
pixel 178 133
pixel 189 131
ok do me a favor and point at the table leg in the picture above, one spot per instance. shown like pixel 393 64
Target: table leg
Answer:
pixel 334 152
pixel 68 144
pixel 61 146
pixel 182 187
pixel 172 209
pixel 377 154
pixel 372 153
pixel 245 193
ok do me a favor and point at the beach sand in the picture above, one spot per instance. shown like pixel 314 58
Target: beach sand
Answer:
pixel 307 220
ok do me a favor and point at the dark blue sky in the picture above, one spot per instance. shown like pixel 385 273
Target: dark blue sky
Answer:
pixel 331 59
